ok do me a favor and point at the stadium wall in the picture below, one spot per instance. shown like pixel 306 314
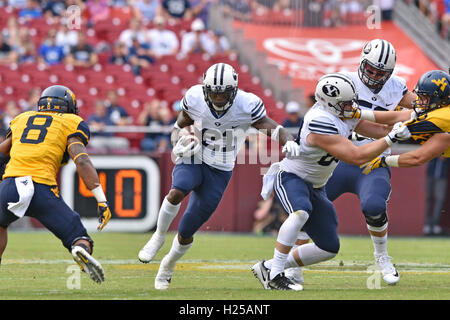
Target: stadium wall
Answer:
pixel 235 212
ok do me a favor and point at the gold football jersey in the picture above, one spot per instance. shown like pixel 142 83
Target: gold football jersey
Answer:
pixel 39 144
pixel 436 121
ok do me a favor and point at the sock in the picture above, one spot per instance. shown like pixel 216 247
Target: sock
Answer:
pixel 379 243
pixel 177 250
pixel 278 262
pixel 290 262
pixel 167 213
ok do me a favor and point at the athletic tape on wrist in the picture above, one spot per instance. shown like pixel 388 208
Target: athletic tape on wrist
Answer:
pixel 99 194
pixel 367 115
pixel 275 132
pixel 392 161
pixel 388 141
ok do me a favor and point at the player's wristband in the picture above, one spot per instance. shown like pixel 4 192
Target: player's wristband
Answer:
pixel 392 161
pixel 275 132
pixel 99 194
pixel 367 115
pixel 388 140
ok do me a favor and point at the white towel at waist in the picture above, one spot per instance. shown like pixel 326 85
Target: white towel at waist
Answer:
pixel 269 179
pixel 25 189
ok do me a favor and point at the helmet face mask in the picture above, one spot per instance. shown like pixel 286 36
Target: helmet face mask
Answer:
pixel 336 93
pixel 373 76
pixel 377 63
pixel 220 87
pixel 220 98
pixel 58 98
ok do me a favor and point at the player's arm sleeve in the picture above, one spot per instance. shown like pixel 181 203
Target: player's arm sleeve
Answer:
pixel 82 132
pixel 258 110
pixel 322 125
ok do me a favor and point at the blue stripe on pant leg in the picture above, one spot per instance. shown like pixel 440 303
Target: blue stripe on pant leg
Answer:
pixel 293 193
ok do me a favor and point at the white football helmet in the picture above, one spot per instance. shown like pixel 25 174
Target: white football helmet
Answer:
pixel 377 63
pixel 220 85
pixel 336 93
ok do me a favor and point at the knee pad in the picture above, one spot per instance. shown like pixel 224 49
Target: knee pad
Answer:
pixel 377 221
pixel 88 239
pixel 374 206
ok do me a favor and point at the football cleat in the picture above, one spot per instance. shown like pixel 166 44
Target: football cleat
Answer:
pixel 151 248
pixel 390 274
pixel 164 275
pixel 88 264
pixel 262 274
pixel 281 282
pixel 295 275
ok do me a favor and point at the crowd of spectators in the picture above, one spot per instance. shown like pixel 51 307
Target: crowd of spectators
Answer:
pixel 148 35
pixel 437 12
pixel 309 13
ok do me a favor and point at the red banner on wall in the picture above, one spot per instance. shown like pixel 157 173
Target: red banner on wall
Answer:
pixel 308 53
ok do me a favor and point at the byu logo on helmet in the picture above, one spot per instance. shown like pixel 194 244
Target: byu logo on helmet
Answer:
pixel 330 90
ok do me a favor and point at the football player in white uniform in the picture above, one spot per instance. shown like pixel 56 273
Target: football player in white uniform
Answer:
pixel 221 115
pixel 299 183
pixel 377 90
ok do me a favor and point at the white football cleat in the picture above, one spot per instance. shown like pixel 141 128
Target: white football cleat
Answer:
pixel 164 275
pixel 88 264
pixel 262 274
pixel 151 248
pixel 390 274
pixel 295 274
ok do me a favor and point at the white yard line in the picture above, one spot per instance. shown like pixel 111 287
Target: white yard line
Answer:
pixel 244 265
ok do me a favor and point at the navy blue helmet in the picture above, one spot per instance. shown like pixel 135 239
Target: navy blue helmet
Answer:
pixel 58 98
pixel 433 90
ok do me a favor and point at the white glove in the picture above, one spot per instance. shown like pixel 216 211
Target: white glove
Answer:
pixel 398 133
pixel 292 149
pixel 186 149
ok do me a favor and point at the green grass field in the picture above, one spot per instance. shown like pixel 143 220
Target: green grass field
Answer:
pixel 35 265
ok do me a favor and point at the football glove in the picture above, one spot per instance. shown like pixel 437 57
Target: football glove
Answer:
pixel 104 214
pixel 355 113
pixel 378 162
pixel 186 149
pixel 399 132
pixel 292 149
